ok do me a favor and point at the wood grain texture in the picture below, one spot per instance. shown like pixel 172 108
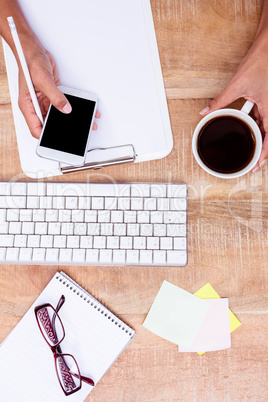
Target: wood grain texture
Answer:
pixel 201 43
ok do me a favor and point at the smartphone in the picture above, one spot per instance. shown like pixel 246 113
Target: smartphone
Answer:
pixel 65 137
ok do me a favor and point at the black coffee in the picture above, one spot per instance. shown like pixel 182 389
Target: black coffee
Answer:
pixel 226 144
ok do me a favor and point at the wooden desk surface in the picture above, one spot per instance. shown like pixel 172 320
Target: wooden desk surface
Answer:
pixel 201 43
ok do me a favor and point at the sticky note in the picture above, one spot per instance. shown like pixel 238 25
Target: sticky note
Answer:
pixel 214 333
pixel 208 292
pixel 176 315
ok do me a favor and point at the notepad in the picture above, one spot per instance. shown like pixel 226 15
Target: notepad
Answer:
pixel 93 335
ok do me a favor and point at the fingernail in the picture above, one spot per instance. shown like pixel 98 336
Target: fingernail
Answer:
pixel 204 110
pixel 263 162
pixel 255 169
pixel 67 108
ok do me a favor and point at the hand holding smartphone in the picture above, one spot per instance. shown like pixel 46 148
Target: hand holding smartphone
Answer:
pixel 65 137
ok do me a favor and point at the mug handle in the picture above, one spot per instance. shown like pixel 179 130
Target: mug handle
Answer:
pixel 247 107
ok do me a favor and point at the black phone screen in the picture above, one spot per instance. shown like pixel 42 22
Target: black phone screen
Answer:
pixel 69 132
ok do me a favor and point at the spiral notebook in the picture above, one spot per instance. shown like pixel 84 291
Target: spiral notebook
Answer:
pixel 93 335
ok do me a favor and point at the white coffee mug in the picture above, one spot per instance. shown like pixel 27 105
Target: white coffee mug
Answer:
pixel 239 114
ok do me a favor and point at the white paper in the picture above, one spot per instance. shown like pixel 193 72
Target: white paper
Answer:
pixel 214 333
pixel 176 315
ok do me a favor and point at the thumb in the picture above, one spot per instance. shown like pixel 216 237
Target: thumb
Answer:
pixel 227 96
pixel 56 97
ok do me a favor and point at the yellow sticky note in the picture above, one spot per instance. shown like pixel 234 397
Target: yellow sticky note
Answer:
pixel 208 292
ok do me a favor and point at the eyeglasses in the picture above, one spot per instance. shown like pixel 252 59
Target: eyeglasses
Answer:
pixel 52 329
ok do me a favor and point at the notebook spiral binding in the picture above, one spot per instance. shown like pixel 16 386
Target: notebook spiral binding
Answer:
pixel 88 298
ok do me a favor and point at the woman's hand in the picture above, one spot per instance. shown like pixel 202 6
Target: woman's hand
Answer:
pixel 250 82
pixel 45 78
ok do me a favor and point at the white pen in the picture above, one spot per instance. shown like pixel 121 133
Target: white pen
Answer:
pixel 24 67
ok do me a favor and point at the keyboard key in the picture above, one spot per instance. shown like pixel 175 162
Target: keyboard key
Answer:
pixel 38 215
pixel 104 216
pixel 157 216
pixel 125 242
pixel 150 204
pixel 146 229
pixel 163 204
pixel 4 227
pixel 137 204
pixel 110 203
pixel 113 242
pixel 124 204
pixel 13 215
pixel 54 228
pixel 67 228
pixel 33 241
pixel 160 230
pixel 133 257
pixel 25 254
pixel 12 254
pixel 72 241
pixel 2 254
pixel 130 216
pixel 6 240
pixel 59 241
pixel 117 216
pixel 133 229
pixel 41 228
pixel 158 190
pixel 26 215
pixel 146 257
pixel 92 256
pixel 86 241
pixel 106 256
pixel 79 255
pixel 66 255
pixel 20 241
pixel 166 243
pixel 77 215
pixel 140 190
pixel 99 242
pixel 18 188
pixel 27 228
pixel 106 229
pixel 64 215
pixel 3 214
pixel 58 203
pixel 39 254
pixel 36 188
pixel 93 229
pixel 71 202
pixel 180 243
pixel 5 188
pixel 14 228
pixel 120 229
pixel 84 203
pixel 143 216
pixel 80 229
pixel 119 256
pixel 152 243
pixel 177 258
pixel 46 241
pixel 33 202
pixel 12 202
pixel 91 216
pixel 139 243
pixel 52 255
pixel 97 203
pixel 52 215
pixel 159 257
pixel 45 202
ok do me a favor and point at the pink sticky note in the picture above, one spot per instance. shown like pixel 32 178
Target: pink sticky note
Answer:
pixel 214 332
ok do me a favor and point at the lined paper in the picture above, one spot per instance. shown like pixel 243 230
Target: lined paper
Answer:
pixel 93 335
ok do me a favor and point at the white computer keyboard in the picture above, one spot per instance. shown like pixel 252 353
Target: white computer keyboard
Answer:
pixel 93 223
